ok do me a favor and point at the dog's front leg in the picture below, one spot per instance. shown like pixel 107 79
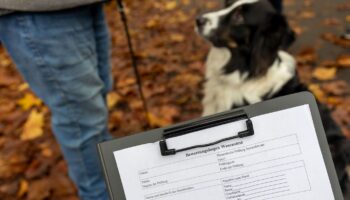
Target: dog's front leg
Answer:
pixel 209 106
pixel 210 100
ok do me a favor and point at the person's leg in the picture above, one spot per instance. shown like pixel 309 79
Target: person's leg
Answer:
pixel 103 49
pixel 57 53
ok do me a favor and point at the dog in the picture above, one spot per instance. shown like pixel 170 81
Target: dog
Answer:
pixel 248 63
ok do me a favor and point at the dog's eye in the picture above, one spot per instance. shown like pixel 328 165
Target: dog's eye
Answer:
pixel 239 9
pixel 238 16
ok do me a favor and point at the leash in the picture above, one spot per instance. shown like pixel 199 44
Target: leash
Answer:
pixel 124 19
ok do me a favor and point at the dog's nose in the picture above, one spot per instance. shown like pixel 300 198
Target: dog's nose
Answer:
pixel 201 21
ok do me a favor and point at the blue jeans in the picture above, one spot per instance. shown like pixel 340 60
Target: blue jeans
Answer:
pixel 64 56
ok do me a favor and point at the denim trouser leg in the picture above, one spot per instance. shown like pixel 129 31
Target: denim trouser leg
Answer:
pixel 64 58
pixel 103 49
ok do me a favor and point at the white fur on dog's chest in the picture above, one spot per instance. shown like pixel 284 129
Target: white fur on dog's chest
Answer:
pixel 222 91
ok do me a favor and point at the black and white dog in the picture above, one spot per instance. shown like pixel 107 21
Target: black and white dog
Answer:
pixel 247 63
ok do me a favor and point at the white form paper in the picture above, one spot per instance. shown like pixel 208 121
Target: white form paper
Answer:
pixel 282 160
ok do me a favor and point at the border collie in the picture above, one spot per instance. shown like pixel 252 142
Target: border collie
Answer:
pixel 247 63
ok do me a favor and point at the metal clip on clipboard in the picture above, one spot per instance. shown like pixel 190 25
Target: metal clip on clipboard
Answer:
pixel 205 124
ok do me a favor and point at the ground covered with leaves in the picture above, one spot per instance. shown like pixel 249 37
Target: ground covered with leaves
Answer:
pixel 171 60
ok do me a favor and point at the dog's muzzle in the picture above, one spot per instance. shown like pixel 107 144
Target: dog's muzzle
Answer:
pixel 201 23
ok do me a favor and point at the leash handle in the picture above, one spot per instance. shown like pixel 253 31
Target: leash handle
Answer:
pixel 123 17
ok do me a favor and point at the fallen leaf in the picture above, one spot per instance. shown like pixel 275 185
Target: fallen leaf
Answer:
pixel 347 18
pixel 23 188
pixel 126 82
pixel 170 5
pixel 308 3
pixel 39 189
pixel 331 22
pixel 335 101
pixel 335 39
pixel 344 60
pixel 7 107
pixel 33 128
pixel 307 15
pixel 156 121
pixel 210 5
pixel 342 116
pixel 305 73
pixel 186 2
pixel 62 185
pixel 181 16
pixel 338 88
pixel 153 22
pixel 114 119
pixel 343 6
pixel 23 87
pixel 37 168
pixel 5 62
pixel 318 92
pixel 298 30
pixel 151 90
pixel 307 55
pixel 8 189
pixel 346 131
pixel 59 168
pixel 112 99
pixel 169 112
pixel 324 74
pixel 29 101
pixel 47 152
pixel 13 156
pixel 7 79
pixel 190 79
pixel 177 37
pixel 328 63
pixel 289 3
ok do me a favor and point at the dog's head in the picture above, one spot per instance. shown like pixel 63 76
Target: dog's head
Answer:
pixel 252 26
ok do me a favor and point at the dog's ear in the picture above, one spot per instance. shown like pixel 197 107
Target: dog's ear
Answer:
pixel 272 35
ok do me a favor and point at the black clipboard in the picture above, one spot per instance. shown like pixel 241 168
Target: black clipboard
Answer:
pixel 110 168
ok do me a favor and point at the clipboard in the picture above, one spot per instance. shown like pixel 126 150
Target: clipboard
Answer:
pixel 110 168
